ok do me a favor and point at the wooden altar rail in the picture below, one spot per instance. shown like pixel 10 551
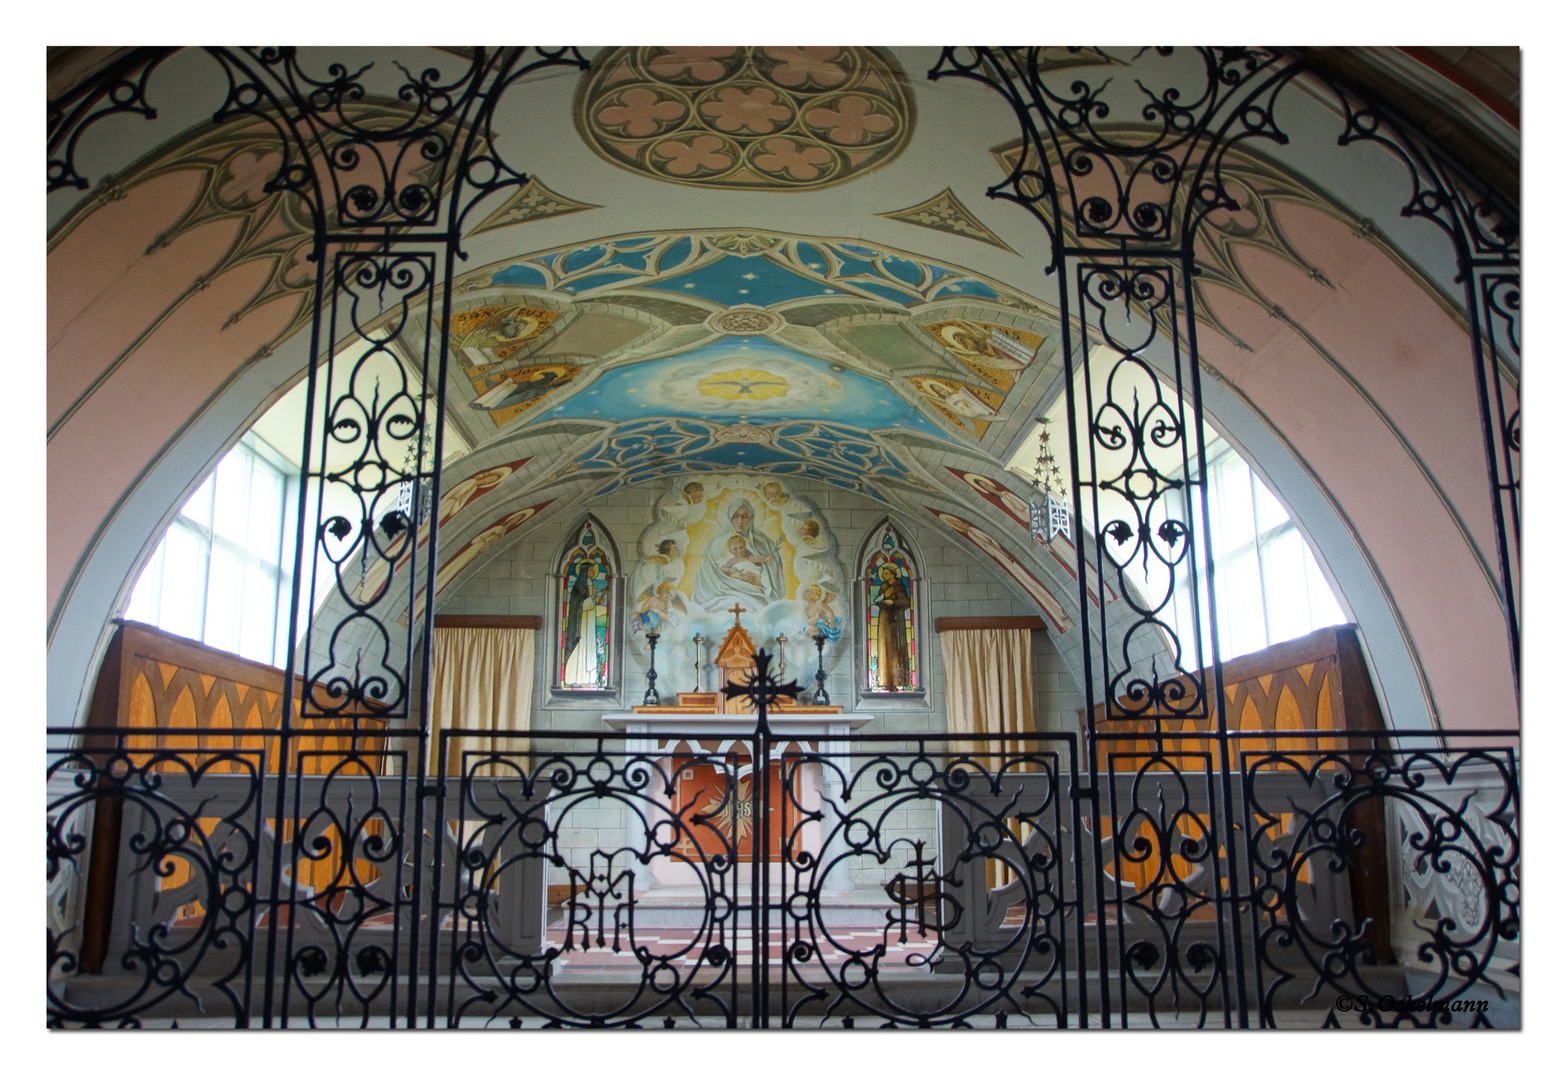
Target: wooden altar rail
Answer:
pixel 151 679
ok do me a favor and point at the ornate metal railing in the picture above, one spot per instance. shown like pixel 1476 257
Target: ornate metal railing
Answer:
pixel 581 879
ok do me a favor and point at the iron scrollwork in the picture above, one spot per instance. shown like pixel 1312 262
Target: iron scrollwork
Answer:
pixel 188 854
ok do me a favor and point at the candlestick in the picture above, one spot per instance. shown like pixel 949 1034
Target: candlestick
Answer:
pixel 821 697
pixel 651 697
pixel 781 655
pixel 699 641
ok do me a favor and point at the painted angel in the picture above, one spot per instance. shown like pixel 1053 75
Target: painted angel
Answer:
pixel 654 604
pixel 819 616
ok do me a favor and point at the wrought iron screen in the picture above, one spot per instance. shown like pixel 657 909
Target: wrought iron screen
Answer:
pixel 585 879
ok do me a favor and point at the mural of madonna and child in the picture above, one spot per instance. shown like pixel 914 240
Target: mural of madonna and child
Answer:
pixel 742 540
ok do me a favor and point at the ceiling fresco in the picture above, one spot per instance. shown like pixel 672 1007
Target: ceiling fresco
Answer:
pixel 835 454
pixel 743 328
pixel 746 118
pixel 745 267
pixel 651 356
pixel 739 379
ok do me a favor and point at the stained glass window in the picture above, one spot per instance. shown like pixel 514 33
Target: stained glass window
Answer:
pixel 890 603
pixel 585 614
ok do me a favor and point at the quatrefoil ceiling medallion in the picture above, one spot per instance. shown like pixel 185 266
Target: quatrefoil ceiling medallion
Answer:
pixel 746 118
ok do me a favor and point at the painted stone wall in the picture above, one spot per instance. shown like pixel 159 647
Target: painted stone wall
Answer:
pixel 517 581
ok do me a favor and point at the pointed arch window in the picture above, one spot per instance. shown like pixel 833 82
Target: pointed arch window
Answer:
pixel 890 583
pixel 584 647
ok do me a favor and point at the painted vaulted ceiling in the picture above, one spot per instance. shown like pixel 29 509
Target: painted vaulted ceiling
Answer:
pixel 780 259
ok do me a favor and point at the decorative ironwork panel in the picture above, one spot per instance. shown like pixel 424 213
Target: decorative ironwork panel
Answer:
pixel 966 851
pixel 591 887
pixel 1143 470
pixel 349 914
pixel 1191 877
pixel 1131 170
pixel 1166 930
pixel 1323 924
pixel 157 862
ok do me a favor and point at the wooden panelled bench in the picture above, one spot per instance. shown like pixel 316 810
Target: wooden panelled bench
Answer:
pixel 203 711
pixel 1287 703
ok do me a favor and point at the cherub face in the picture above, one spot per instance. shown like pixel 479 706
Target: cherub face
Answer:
pixel 666 547
pixel 736 546
pixel 813 593
pixel 694 492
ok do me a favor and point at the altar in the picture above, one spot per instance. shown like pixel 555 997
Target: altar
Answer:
pixel 702 751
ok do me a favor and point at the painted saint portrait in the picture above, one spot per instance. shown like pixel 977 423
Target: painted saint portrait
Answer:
pixel 517 391
pixel 986 345
pixel 972 407
pixel 485 336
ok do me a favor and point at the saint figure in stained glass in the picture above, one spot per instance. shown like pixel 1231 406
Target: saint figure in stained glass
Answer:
pixel 891 634
pixel 585 617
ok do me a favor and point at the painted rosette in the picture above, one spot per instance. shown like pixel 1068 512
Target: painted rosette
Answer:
pixel 747 118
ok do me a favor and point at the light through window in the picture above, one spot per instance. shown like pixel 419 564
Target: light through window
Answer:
pixel 1268 586
pixel 219 575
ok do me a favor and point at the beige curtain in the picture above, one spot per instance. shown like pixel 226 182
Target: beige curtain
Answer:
pixel 988 691
pixel 483 681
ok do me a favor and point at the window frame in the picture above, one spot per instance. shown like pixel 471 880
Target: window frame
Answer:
pixel 559 695
pixel 1260 542
pixel 257 454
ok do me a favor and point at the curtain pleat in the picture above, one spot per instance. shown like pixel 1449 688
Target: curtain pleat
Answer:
pixel 988 691
pixel 482 680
